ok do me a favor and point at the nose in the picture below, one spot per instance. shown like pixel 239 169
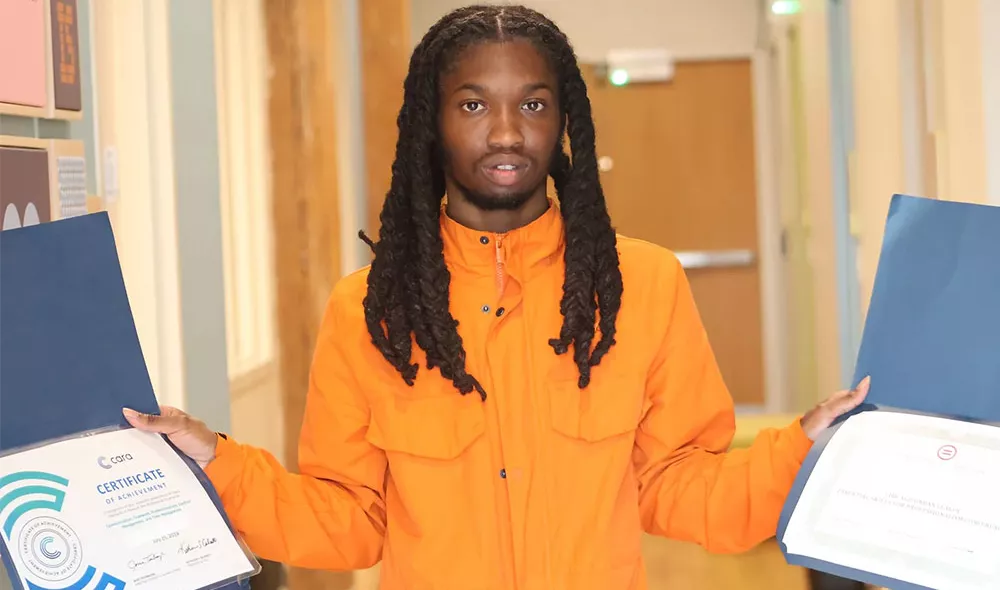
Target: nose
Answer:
pixel 505 131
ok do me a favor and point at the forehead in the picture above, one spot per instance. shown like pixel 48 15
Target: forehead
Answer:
pixel 517 61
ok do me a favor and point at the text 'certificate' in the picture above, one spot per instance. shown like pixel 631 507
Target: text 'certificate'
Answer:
pixel 115 511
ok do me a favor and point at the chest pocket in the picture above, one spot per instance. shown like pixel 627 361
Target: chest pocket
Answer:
pixel 439 427
pixel 610 406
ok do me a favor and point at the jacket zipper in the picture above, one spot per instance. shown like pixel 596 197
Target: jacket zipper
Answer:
pixel 500 279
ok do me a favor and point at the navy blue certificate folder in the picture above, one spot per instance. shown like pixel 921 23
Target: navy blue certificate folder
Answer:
pixel 931 340
pixel 70 357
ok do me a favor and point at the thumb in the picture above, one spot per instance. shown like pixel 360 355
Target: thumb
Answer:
pixel 170 420
pixel 854 397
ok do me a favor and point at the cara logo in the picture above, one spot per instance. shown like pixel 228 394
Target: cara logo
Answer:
pixel 108 463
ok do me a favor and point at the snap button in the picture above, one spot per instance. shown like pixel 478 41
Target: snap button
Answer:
pixel 500 312
pixel 503 474
pixel 486 309
pixel 484 240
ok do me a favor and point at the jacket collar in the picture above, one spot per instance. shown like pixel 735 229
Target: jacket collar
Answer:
pixel 520 250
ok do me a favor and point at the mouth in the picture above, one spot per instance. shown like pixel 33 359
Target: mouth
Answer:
pixel 505 173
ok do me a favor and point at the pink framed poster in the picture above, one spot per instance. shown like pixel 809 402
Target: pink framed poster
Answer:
pixel 22 52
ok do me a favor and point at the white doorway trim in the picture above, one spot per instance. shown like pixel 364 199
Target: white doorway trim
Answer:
pixel 774 308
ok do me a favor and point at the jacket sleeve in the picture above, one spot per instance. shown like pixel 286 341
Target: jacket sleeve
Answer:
pixel 331 515
pixel 691 487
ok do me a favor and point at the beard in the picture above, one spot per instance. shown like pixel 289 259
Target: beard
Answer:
pixel 507 201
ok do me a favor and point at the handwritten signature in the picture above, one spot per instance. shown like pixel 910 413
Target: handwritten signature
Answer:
pixel 137 563
pixel 186 548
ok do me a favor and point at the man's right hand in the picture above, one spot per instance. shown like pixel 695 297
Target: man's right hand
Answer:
pixel 193 437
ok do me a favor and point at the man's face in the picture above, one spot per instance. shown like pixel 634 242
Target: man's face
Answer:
pixel 500 121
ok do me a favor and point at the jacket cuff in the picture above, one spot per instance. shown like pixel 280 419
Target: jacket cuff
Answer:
pixel 227 465
pixel 798 441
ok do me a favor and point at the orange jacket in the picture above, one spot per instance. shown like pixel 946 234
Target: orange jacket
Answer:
pixel 542 486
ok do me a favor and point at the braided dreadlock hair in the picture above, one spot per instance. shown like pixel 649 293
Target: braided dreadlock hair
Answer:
pixel 408 283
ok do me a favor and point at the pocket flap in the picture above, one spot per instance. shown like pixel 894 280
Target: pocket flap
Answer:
pixel 436 427
pixel 606 408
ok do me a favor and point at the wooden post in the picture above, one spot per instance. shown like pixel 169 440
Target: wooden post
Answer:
pixel 303 134
pixel 385 55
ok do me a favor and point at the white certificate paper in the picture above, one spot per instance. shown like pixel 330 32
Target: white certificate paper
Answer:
pixel 911 497
pixel 114 511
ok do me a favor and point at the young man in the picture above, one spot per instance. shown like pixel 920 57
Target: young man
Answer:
pixel 510 395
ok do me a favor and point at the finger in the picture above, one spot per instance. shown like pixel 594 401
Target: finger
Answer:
pixel 169 421
pixel 861 389
pixel 852 397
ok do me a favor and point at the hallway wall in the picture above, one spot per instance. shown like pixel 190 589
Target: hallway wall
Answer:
pixel 690 29
pixel 920 101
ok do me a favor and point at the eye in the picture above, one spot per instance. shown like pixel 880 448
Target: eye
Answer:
pixel 534 105
pixel 473 106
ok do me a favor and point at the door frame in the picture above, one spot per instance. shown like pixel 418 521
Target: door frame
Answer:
pixel 153 164
pixel 842 172
pixel 774 304
pixel 990 21
pixel 129 54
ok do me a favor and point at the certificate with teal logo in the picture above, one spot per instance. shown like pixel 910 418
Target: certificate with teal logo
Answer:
pixel 114 510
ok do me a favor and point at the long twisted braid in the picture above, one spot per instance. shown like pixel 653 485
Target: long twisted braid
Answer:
pixel 408 285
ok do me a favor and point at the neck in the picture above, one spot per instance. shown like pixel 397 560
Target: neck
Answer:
pixel 496 221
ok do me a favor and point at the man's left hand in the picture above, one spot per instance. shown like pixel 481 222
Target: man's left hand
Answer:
pixel 822 416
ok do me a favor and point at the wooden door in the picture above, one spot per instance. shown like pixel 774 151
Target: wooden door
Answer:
pixel 678 170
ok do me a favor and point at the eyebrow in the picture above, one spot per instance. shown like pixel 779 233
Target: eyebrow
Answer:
pixel 532 87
